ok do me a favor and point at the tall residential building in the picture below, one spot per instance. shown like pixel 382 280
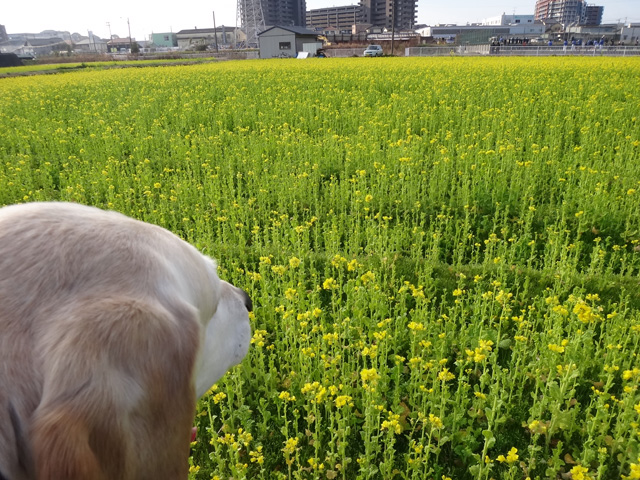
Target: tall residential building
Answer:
pixel 286 13
pixel 568 12
pixel 592 15
pixel 381 13
pixel 337 17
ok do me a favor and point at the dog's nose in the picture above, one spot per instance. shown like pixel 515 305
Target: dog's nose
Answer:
pixel 247 301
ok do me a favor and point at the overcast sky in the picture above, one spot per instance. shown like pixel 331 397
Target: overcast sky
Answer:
pixel 145 18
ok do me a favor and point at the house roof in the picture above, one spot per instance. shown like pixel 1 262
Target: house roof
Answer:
pixel 121 41
pixel 44 42
pixel 95 41
pixel 204 31
pixel 296 30
pixel 196 31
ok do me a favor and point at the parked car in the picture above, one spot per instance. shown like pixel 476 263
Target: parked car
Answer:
pixel 373 51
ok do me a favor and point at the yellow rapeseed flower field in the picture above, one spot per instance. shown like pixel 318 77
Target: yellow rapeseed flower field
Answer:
pixel 443 253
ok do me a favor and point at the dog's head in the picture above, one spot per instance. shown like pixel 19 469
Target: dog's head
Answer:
pixel 226 338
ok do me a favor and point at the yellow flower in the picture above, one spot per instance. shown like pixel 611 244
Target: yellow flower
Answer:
pixel 256 455
pixel 511 457
pixel 278 269
pixel 343 400
pixel 369 375
pixel 556 348
pixel 315 389
pixel 290 293
pixel 580 473
pixel 415 326
pixel 290 446
pixel 445 375
pixel 435 421
pixel 635 471
pixel 537 427
pixel 294 262
pixel 329 284
pixel 287 397
pixel 392 424
pixel 368 277
pixel 218 397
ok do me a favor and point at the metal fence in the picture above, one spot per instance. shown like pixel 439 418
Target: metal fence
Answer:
pixel 345 52
pixel 447 51
pixel 521 50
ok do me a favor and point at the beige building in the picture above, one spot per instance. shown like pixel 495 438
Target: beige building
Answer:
pixel 225 36
pixel 338 18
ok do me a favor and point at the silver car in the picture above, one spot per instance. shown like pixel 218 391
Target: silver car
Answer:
pixel 373 51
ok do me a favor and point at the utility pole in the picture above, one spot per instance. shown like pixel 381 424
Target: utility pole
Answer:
pixel 109 46
pixel 393 23
pixel 130 42
pixel 215 32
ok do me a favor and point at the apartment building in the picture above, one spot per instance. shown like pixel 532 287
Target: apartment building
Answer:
pixel 386 13
pixel 568 12
pixel 342 18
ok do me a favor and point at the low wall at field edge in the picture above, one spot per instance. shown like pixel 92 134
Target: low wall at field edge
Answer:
pixel 521 50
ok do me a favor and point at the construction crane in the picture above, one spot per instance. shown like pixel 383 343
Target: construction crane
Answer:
pixel 251 19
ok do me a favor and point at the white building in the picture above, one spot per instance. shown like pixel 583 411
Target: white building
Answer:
pixel 630 34
pixel 480 34
pixel 505 19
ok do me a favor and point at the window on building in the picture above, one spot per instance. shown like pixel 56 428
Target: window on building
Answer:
pixel 285 45
pixel 166 38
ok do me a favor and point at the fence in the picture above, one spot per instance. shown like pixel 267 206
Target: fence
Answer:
pixel 345 52
pixel 522 50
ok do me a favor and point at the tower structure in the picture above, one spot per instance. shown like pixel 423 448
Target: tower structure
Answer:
pixel 251 18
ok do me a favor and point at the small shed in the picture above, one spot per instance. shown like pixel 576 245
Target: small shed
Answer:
pixel 280 41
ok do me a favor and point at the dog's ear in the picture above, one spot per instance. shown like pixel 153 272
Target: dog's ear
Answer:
pixel 118 397
pixel 61 440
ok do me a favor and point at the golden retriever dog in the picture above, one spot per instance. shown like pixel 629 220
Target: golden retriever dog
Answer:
pixel 110 329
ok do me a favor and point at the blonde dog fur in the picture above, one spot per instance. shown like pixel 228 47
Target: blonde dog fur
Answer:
pixel 109 330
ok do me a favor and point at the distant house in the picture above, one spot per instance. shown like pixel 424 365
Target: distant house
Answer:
pixel 11 46
pixel 90 45
pixel 34 47
pixel 280 41
pixel 164 40
pixel 120 45
pixel 188 39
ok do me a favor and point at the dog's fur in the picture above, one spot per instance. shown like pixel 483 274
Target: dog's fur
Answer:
pixel 107 325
